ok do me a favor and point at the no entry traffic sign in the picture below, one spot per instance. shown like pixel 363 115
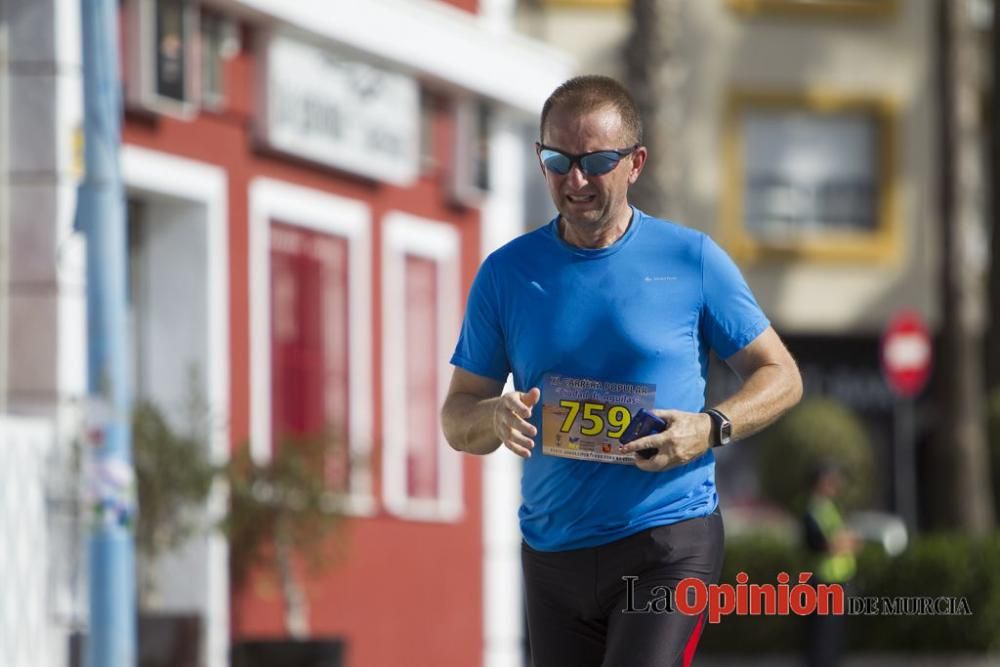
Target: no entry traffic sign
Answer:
pixel 906 354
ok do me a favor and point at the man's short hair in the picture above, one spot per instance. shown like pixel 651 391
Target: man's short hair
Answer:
pixel 591 92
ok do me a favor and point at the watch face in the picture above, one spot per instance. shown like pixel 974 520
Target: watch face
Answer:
pixel 725 431
pixel 722 427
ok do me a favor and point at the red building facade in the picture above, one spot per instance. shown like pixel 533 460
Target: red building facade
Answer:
pixel 340 270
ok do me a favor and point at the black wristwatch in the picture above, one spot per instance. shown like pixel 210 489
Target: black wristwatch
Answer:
pixel 722 428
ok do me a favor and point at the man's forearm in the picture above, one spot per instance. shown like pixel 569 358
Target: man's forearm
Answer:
pixel 467 421
pixel 767 393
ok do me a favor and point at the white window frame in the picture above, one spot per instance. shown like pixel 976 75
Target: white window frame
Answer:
pixel 143 173
pixel 141 61
pixel 278 201
pixel 405 234
pixel 231 43
pixel 464 187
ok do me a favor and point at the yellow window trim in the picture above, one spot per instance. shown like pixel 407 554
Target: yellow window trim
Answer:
pixel 816 8
pixel 880 246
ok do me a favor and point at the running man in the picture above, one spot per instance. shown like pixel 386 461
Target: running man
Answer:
pixel 601 312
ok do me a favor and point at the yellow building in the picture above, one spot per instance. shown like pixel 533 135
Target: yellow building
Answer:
pixel 803 135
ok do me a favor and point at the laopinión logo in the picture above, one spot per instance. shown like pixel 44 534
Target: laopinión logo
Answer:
pixel 694 597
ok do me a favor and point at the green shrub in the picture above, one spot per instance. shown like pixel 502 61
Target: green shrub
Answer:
pixel 762 557
pixel 993 432
pixel 934 566
pixel 817 429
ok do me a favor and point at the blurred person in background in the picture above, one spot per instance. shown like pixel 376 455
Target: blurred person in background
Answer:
pixel 610 309
pixel 833 547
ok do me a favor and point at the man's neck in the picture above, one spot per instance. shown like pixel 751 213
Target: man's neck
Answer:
pixel 601 236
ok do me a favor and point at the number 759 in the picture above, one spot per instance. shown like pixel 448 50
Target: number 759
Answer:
pixel 595 417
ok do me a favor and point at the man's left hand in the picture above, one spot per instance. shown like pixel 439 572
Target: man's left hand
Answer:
pixel 687 436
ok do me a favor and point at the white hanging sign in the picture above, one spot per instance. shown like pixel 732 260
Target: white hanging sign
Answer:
pixel 331 109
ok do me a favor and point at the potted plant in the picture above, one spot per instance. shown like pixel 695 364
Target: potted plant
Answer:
pixel 173 475
pixel 278 510
pixel 281 509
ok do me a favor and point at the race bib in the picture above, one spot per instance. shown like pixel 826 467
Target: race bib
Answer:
pixel 583 419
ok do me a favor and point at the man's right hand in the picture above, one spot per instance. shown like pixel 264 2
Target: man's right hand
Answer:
pixel 510 421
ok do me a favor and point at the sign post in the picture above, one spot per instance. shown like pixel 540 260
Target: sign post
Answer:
pixel 906 365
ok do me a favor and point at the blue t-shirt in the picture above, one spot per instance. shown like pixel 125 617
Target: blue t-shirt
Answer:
pixel 645 310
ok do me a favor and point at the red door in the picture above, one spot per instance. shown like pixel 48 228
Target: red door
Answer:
pixel 309 339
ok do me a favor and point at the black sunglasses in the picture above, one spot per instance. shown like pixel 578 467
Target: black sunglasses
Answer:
pixel 591 164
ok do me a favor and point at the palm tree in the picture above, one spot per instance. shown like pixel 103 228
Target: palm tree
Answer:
pixel 961 493
pixel 655 76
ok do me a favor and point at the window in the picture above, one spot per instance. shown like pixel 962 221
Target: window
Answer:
pixel 167 306
pixel 137 290
pixel 172 34
pixel 810 176
pixel 422 455
pixel 807 174
pixel 471 173
pixel 310 303
pixel 162 55
pixel 180 305
pixel 538 206
pixel 429 114
pixel 420 297
pixel 176 55
pixel 220 42
pixel 309 341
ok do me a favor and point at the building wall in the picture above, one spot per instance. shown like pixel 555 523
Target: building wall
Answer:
pixel 42 298
pixel 890 59
pixel 471 6
pixel 404 592
pixel 829 303
pixel 26 631
pixel 45 334
pixel 722 51
pixel 4 211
